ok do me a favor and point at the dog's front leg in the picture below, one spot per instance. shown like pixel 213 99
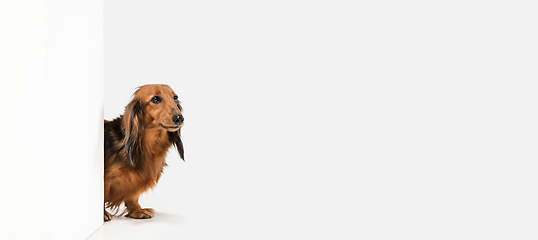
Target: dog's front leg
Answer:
pixel 107 216
pixel 135 211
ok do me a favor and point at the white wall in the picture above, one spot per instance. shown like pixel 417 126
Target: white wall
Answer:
pixel 51 160
pixel 75 122
pixel 23 72
pixel 339 119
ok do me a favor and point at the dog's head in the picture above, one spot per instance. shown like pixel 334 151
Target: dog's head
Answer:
pixel 153 106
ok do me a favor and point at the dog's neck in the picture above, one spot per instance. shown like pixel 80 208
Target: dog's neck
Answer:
pixel 155 143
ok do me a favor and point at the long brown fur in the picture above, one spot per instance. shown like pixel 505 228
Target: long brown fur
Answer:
pixel 136 144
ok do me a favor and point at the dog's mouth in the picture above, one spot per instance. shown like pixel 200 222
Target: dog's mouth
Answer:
pixel 170 128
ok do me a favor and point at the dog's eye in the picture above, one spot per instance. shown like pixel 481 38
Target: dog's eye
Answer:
pixel 156 99
pixel 175 98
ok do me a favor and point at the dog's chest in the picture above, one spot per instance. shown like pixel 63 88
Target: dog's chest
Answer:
pixel 134 182
pixel 149 177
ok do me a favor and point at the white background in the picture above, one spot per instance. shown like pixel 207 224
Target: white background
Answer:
pixel 336 119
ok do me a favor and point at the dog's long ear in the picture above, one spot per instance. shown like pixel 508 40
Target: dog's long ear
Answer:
pixel 133 126
pixel 175 138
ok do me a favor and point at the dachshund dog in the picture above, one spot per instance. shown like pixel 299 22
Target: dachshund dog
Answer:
pixel 136 144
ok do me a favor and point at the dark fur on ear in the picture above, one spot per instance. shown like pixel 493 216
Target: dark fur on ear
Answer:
pixel 175 138
pixel 133 122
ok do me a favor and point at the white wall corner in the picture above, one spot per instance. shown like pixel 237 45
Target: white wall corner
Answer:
pixel 51 156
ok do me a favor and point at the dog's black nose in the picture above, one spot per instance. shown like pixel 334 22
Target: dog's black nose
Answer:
pixel 178 119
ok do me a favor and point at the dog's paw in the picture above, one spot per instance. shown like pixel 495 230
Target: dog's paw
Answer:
pixel 107 216
pixel 142 213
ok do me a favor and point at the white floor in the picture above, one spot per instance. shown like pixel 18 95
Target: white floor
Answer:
pixel 163 225
pixel 241 198
pixel 270 183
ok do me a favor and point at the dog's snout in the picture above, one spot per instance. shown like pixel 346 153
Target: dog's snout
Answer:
pixel 178 119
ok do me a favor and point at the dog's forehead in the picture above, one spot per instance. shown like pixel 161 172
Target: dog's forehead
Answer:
pixel 167 90
pixel 155 90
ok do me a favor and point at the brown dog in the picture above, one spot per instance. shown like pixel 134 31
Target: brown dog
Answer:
pixel 136 144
